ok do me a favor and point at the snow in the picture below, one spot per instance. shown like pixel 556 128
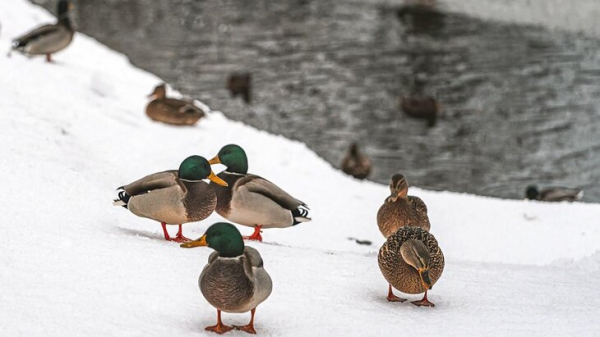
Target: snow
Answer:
pixel 72 264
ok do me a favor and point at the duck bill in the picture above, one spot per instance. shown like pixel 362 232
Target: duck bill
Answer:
pixel 152 95
pixel 424 273
pixel 196 243
pixel 215 160
pixel 213 177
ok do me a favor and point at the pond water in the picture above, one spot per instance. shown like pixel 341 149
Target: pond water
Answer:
pixel 519 102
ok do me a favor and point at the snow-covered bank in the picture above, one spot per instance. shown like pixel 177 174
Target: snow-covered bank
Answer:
pixel 72 264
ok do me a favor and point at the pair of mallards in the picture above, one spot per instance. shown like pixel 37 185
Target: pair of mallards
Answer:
pixel 48 39
pixel 410 259
pixel 177 197
pixel 172 110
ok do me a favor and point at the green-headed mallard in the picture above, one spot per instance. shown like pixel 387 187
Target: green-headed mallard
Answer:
pixel 173 197
pixel 355 163
pixel 234 279
pixel 553 193
pixel 171 110
pixel 421 107
pixel 253 201
pixel 400 209
pixel 48 39
pixel 411 261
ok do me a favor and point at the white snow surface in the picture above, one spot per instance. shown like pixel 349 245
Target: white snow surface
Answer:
pixel 72 264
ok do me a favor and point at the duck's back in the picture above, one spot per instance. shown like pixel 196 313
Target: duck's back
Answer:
pixel 173 111
pixel 397 272
pixel 46 39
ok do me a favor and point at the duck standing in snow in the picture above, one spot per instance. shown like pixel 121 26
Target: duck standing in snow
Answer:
pixel 355 163
pixel 412 262
pixel 553 193
pixel 400 210
pixel 48 39
pixel 234 280
pixel 253 201
pixel 171 110
pixel 173 197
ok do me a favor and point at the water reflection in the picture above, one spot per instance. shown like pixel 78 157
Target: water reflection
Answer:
pixel 519 103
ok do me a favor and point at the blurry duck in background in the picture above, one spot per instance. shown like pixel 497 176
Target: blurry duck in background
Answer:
pixel 240 84
pixel 173 197
pixel 355 163
pixel 421 107
pixel 48 39
pixel 234 280
pixel 553 193
pixel 251 200
pixel 172 110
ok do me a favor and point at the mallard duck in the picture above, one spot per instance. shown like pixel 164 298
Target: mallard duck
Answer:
pixel 234 280
pixel 240 84
pixel 355 163
pixel 553 193
pixel 253 201
pixel 411 261
pixel 401 209
pixel 171 110
pixel 173 197
pixel 48 39
pixel 421 107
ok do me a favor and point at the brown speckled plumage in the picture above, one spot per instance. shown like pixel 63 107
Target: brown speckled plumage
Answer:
pixel 171 110
pixel 405 211
pixel 397 272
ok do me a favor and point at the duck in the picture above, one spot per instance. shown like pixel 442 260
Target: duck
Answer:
pixel 355 163
pixel 400 209
pixel 240 84
pixel 422 107
pixel 173 197
pixel 171 110
pixel 553 193
pixel 234 280
pixel 412 262
pixel 253 201
pixel 48 39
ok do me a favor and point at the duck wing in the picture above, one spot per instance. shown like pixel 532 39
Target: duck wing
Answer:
pixel 152 182
pixel 259 185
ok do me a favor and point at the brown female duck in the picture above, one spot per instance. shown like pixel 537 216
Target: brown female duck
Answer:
pixel 412 262
pixel 421 107
pixel 400 209
pixel 355 163
pixel 171 110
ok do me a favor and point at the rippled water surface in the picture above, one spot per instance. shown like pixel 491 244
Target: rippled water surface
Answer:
pixel 520 103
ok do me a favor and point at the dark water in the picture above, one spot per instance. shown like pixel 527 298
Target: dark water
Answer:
pixel 520 103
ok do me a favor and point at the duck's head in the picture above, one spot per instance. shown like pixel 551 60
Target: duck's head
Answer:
pixel 353 149
pixel 196 168
pixel 398 187
pixel 159 92
pixel 64 7
pixel 223 237
pixel 532 192
pixel 232 156
pixel 416 254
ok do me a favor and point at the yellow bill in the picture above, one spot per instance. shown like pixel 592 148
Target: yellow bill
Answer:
pixel 215 160
pixel 196 243
pixel 213 177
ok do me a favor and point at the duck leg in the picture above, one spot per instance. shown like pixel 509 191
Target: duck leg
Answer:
pixel 49 58
pixel 250 327
pixel 256 235
pixel 164 226
pixel 424 302
pixel 220 328
pixel 179 237
pixel 393 298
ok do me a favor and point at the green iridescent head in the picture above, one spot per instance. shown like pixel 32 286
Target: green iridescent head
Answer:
pixel 223 237
pixel 232 156
pixel 195 168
